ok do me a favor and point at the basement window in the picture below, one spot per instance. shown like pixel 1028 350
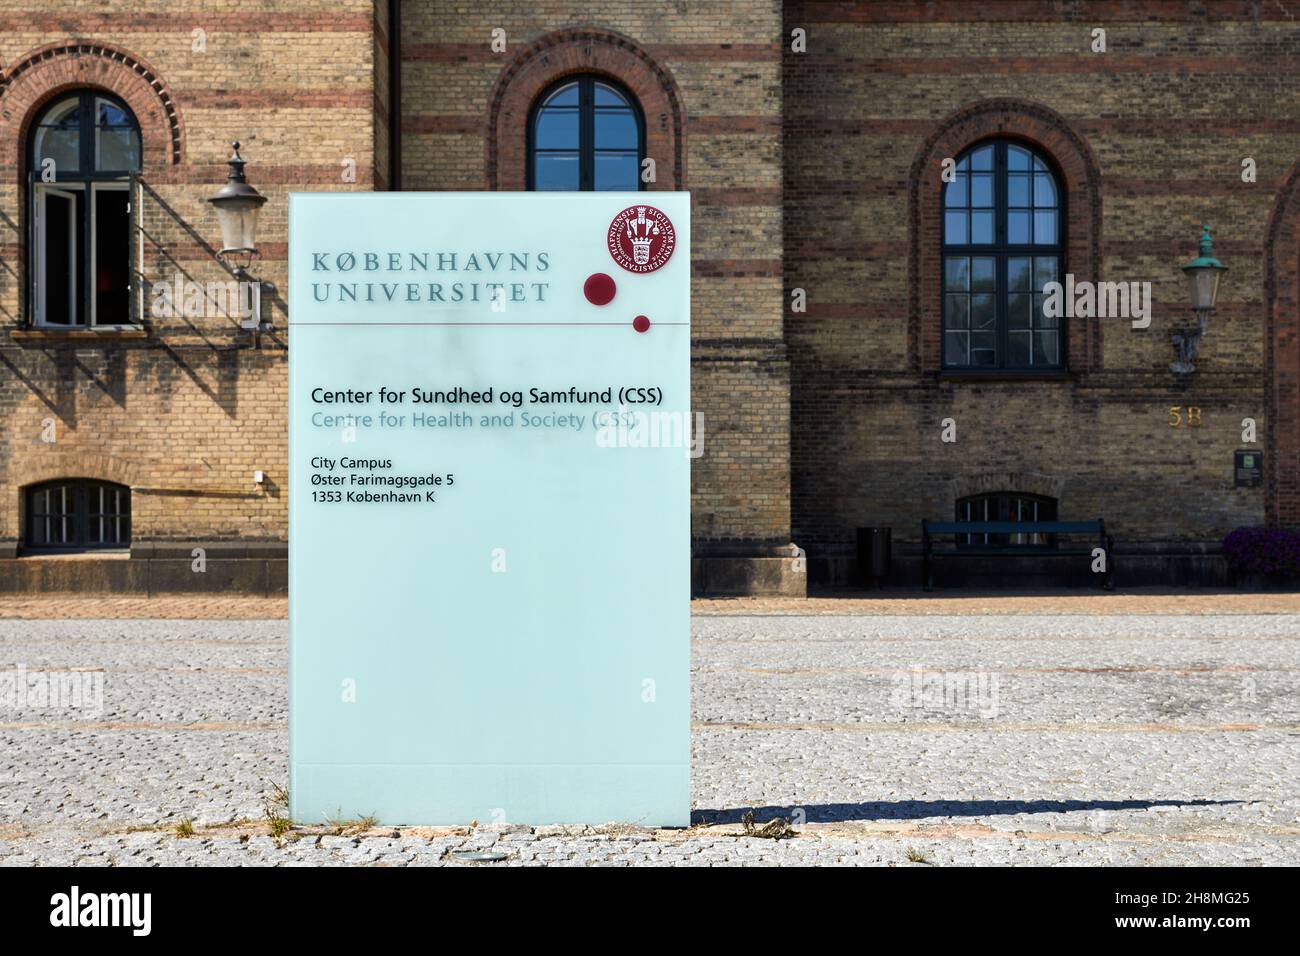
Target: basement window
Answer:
pixel 1006 506
pixel 78 515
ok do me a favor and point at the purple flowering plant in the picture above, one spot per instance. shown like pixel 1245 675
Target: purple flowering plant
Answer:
pixel 1263 551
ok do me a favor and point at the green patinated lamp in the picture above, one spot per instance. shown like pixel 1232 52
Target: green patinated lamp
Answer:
pixel 1203 274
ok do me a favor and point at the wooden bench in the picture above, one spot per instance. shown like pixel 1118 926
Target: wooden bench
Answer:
pixel 1095 529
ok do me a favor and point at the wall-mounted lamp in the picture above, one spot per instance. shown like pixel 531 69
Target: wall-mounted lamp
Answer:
pixel 1203 275
pixel 238 205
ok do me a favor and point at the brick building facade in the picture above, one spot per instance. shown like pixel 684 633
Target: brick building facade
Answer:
pixel 1148 139
pixel 812 137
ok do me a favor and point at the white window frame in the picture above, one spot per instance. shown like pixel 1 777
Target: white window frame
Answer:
pixel 77 194
pixel 43 191
pixel 97 187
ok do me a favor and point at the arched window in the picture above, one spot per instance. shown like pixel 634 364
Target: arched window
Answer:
pixel 585 133
pixel 83 155
pixel 1003 220
pixel 1006 506
pixel 78 515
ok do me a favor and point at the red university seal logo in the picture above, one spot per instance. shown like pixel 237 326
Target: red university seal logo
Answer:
pixel 641 239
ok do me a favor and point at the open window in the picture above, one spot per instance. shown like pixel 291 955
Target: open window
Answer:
pixel 84 199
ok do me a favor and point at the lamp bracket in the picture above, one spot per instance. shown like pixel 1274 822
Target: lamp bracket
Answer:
pixel 1188 342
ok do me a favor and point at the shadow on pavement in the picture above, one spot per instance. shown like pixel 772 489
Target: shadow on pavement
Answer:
pixel 920 809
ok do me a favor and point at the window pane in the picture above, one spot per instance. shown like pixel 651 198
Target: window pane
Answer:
pixel 555 171
pixel 57 267
pixel 956 348
pixel 1041 319
pixel 1045 228
pixel 981 228
pixel 982 158
pixel 112 264
pixel 58 136
pixel 556 129
pixel 1044 190
pixel 108 113
pixel 981 190
pixel 1019 311
pixel 65 114
pixel 564 96
pixel 117 150
pixel 983 348
pixel 1047 347
pixel 608 96
pixel 1018 189
pixel 616 171
pixel 984 274
pixel 983 312
pixel 955 194
pixel 956 312
pixel 1044 270
pixel 1018 348
pixel 955 228
pixel 616 129
pixel 51 517
pixel 1018 274
pixel 60 145
pixel 1018 228
pixel 956 274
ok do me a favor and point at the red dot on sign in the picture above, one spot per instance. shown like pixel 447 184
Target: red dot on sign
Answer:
pixel 641 324
pixel 599 289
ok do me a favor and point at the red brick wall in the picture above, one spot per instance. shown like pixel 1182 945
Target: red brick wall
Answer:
pixel 1149 136
pixel 187 413
pixel 707 76
pixel 1282 288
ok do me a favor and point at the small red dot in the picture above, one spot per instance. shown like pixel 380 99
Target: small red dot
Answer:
pixel 599 289
pixel 641 323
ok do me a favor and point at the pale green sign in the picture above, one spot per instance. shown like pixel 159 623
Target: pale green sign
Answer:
pixel 490 444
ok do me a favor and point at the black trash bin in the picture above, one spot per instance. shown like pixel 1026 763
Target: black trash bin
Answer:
pixel 874 547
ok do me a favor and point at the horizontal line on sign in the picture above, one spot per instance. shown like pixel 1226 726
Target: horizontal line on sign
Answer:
pixel 609 325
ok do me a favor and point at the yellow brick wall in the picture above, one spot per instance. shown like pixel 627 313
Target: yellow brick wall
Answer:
pixel 187 414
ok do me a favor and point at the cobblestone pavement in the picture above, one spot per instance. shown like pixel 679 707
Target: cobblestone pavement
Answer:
pixel 1136 601
pixel 102 607
pixel 1036 737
